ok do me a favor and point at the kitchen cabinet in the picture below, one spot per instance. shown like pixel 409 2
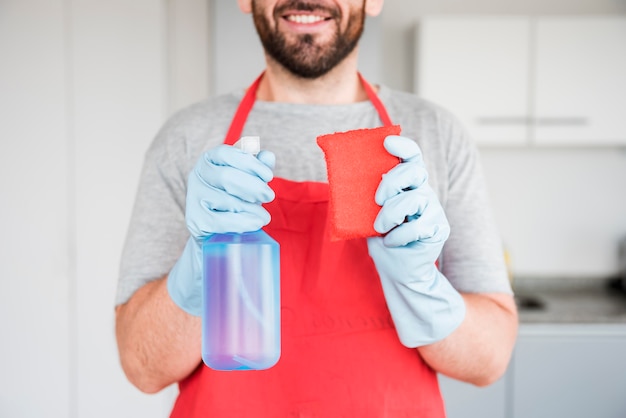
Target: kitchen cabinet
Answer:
pixel 580 80
pixel 464 400
pixel 574 371
pixel 477 68
pixel 519 80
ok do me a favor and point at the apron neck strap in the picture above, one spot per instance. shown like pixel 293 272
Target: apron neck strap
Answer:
pixel 378 105
pixel 246 104
pixel 239 120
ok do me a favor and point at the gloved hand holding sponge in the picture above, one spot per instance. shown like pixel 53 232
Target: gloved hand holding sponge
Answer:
pixel 408 231
pixel 424 306
pixel 224 194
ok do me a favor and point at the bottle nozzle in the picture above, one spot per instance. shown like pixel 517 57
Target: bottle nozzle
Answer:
pixel 249 144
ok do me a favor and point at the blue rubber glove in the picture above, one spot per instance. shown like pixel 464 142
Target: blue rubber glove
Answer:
pixel 424 306
pixel 224 194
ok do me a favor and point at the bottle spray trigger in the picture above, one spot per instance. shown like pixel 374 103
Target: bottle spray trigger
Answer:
pixel 249 144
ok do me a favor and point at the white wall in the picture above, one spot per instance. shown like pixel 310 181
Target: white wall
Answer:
pixel 34 227
pixel 561 211
pixel 117 90
pixel 84 86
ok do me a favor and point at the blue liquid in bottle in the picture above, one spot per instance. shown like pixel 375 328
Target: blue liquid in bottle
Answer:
pixel 241 301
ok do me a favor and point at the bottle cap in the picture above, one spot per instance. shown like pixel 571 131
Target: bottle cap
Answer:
pixel 249 144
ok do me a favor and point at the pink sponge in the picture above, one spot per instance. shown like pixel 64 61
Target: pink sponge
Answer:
pixel 355 161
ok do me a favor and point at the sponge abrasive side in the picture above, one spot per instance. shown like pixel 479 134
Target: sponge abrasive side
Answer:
pixel 355 163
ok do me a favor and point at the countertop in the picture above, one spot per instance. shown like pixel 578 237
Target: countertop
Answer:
pixel 570 301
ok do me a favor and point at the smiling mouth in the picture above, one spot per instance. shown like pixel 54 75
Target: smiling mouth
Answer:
pixel 306 19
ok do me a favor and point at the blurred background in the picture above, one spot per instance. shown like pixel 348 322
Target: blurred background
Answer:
pixel 86 84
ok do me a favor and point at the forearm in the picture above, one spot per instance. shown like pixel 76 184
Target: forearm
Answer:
pixel 479 350
pixel 159 344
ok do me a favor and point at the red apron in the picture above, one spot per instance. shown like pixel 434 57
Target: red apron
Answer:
pixel 340 355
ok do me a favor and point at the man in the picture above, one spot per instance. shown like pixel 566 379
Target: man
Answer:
pixel 341 356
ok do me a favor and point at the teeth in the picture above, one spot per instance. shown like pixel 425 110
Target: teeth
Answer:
pixel 304 18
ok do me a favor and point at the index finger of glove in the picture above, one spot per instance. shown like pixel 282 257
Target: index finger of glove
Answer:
pixel 237 175
pixel 404 176
pixel 226 155
pixel 402 147
pixel 267 157
pixel 230 181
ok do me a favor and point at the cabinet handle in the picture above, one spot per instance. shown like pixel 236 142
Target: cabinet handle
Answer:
pixel 521 120
pixel 504 120
pixel 564 121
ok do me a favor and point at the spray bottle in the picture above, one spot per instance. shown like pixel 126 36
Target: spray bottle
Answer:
pixel 241 297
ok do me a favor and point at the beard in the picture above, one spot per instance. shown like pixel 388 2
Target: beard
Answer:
pixel 304 56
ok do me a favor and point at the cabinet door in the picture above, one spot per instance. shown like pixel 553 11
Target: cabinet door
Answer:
pixel 464 400
pixel 574 375
pixel 580 80
pixel 477 67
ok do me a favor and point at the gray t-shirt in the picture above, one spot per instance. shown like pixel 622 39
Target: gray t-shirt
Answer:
pixel 472 258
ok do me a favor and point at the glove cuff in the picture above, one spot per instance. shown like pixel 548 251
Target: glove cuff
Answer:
pixel 424 312
pixel 184 283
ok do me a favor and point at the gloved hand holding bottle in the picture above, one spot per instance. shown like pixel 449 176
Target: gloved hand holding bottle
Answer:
pixel 423 304
pixel 224 194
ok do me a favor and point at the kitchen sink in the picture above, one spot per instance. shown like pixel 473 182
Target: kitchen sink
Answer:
pixel 529 303
pixel 569 300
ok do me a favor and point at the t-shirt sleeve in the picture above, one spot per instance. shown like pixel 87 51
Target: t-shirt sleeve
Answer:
pixel 473 256
pixel 157 233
